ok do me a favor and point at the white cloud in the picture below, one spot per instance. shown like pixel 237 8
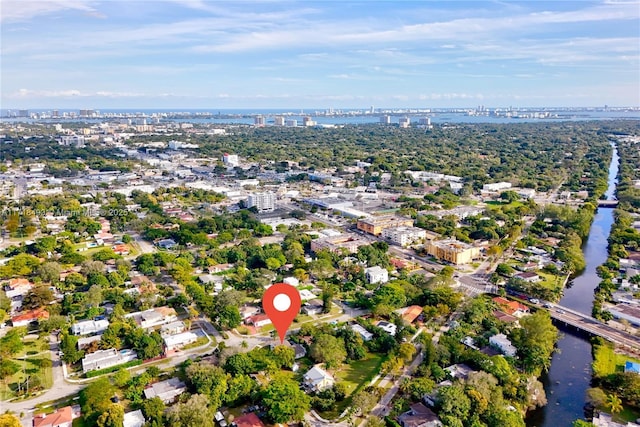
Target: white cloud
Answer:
pixel 23 10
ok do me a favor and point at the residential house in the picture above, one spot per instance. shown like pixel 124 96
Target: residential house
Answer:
pixel 529 276
pixel 364 334
pixel 62 417
pixel 154 317
pixel 410 314
pixel 388 327
pixel 299 350
pixel 247 311
pixel 248 420
pixel 419 415
pixel 291 281
pixel 27 317
pixel 133 419
pixel 89 327
pixel 501 342
pixel 512 308
pixel 258 320
pixel 317 379
pixel 17 288
pixel 314 306
pixel 103 359
pixel 167 244
pixel 172 328
pixel 460 371
pixel 174 342
pixel 376 274
pixel 167 390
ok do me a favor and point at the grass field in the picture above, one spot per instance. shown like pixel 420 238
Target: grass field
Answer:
pixel 37 368
pixel 355 375
pixel 607 361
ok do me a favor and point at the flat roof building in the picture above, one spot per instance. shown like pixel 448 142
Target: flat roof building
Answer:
pixel 376 224
pixel 452 251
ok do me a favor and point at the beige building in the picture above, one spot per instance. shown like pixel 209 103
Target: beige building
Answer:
pixel 452 251
pixel 375 224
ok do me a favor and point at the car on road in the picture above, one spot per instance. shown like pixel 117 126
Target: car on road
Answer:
pixel 561 311
pixel 534 300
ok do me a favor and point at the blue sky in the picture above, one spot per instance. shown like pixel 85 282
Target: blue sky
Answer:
pixel 327 54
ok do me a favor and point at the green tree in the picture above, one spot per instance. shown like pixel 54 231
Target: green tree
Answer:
pixel 364 401
pixel 453 401
pixel 69 348
pixel 38 296
pixel 112 417
pixel 9 420
pixel 153 410
pixel 406 351
pixel 195 412
pixel 11 343
pixel 284 355
pixel 121 377
pixel 535 341
pixel 95 399
pixel 329 350
pixel 614 403
pixel 284 401
pixel 209 380
pixel 50 272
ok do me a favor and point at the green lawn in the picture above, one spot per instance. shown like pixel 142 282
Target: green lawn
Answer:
pixel 40 374
pixel 549 281
pixel 501 205
pixel 355 375
pixel 607 361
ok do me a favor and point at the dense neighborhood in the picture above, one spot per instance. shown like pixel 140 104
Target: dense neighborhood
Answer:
pixel 135 253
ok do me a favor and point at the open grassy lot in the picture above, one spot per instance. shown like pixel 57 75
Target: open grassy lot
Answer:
pixel 39 371
pixel 354 376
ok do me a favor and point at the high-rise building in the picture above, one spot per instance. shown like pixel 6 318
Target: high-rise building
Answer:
pixel 291 123
pixel 404 122
pixel 259 121
pixel 263 202
pixel 385 120
pixel 278 120
pixel 307 121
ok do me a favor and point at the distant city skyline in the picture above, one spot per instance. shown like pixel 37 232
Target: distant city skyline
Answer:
pixel 192 54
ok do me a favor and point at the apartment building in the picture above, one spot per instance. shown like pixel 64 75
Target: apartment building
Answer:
pixel 452 251
pixel 376 224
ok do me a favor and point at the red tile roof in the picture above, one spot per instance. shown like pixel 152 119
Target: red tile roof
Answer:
pixel 60 417
pixel 510 307
pixel 39 313
pixel 411 313
pixel 249 420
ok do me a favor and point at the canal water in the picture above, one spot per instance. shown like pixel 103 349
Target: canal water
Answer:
pixel 569 377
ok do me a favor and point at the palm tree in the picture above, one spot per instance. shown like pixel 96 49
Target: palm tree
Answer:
pixel 614 403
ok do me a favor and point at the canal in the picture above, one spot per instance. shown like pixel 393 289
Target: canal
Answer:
pixel 569 377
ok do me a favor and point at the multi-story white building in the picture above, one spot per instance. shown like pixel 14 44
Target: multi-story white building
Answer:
pixel 278 120
pixel 263 202
pixel 404 122
pixel 230 159
pixel 385 120
pixel 291 123
pixel 307 121
pixel 404 236
pixel 77 141
pixel 259 121
pixel 376 274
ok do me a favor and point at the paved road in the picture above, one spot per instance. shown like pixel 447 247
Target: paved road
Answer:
pixel 594 326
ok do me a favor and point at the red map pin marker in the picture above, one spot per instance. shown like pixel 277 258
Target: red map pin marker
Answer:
pixel 281 302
